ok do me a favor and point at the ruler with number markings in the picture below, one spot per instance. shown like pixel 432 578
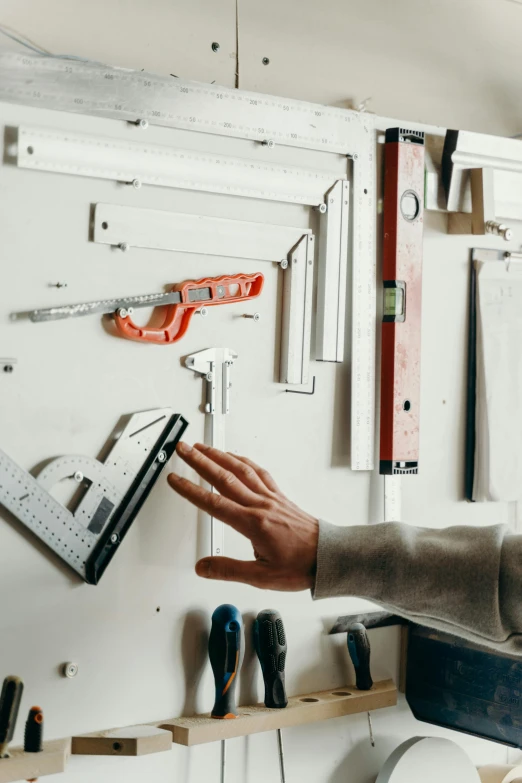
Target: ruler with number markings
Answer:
pixel 130 96
pixel 114 492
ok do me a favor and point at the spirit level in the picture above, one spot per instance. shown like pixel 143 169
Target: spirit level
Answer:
pixel 402 265
pixel 115 490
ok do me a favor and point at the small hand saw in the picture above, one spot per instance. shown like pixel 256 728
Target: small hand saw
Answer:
pixel 113 492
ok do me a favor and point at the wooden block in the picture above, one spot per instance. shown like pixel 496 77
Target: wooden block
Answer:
pixel 131 741
pixel 309 708
pixel 28 766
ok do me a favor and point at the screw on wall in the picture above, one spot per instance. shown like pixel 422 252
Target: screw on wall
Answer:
pixel 215 47
pixel 70 670
pixel 265 61
pixel 7 365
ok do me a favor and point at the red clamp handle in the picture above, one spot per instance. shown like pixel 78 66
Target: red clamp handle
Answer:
pixel 221 290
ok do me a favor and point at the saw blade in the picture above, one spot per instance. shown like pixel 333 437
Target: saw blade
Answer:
pixel 99 306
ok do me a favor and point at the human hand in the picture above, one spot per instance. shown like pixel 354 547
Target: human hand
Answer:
pixel 284 538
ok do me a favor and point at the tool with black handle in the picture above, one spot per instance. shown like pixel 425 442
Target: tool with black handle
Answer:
pixel 271 649
pixel 9 705
pixel 226 649
pixel 359 649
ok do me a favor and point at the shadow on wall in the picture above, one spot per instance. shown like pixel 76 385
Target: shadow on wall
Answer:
pixel 194 647
pixel 363 762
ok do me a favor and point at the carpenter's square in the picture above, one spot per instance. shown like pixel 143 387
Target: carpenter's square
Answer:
pixel 271 648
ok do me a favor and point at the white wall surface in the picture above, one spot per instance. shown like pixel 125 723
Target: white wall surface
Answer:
pixel 447 63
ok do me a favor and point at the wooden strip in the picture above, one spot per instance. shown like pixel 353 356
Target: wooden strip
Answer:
pixel 131 741
pixel 307 708
pixel 28 766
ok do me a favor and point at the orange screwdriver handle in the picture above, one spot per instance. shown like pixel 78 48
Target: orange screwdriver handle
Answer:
pixel 223 290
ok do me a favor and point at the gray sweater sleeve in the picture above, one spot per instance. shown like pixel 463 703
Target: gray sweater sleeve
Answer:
pixel 466 581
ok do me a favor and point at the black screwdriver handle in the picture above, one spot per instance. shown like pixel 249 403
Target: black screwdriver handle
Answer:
pixel 9 705
pixel 359 649
pixel 271 648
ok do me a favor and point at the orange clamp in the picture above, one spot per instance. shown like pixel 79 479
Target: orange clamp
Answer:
pixel 222 290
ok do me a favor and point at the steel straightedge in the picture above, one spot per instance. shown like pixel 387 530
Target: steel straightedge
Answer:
pixel 132 96
pixel 402 280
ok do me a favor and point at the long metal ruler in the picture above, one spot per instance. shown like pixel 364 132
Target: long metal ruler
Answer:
pixel 123 94
pixel 131 96
pixel 113 492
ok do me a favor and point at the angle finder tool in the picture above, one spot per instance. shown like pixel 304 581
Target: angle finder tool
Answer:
pixel 113 492
pixel 226 648
pixel 182 302
pixel 10 698
pixel 402 267
pixel 214 365
pixel 271 648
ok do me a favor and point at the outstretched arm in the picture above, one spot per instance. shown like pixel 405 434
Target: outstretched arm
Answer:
pixel 462 580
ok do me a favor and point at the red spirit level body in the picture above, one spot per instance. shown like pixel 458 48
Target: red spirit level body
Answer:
pixel 402 281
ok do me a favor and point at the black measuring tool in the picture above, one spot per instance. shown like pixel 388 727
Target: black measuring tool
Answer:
pixel 111 492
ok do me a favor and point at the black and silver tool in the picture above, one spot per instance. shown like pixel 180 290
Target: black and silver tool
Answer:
pixel 33 737
pixel 271 648
pixel 110 493
pixel 12 690
pixel 226 649
pixel 359 649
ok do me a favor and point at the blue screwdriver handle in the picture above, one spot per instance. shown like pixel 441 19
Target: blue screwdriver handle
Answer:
pixel 226 649
pixel 359 649
pixel 271 649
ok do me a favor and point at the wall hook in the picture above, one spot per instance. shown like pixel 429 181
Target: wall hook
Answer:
pixel 309 393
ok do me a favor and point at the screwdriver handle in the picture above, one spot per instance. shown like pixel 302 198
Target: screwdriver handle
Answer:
pixel 359 649
pixel 271 648
pixel 226 649
pixel 33 737
pixel 9 705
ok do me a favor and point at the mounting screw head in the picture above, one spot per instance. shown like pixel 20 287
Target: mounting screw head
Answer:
pixel 8 368
pixel 144 124
pixel 269 144
pixel 136 183
pixel 115 538
pixel 202 311
pixel 122 312
pixel 215 47
pixel 207 407
pixel 265 61
pixel 70 670
pixel 355 156
pixel 162 456
pixel 78 476
pixel 209 377
pixel 322 208
pixel 124 246
pixel 284 263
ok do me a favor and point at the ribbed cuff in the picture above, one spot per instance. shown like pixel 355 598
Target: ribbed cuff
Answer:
pixel 350 561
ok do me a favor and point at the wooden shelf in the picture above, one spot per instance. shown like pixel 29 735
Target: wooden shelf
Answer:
pixel 308 708
pixel 131 741
pixel 28 766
